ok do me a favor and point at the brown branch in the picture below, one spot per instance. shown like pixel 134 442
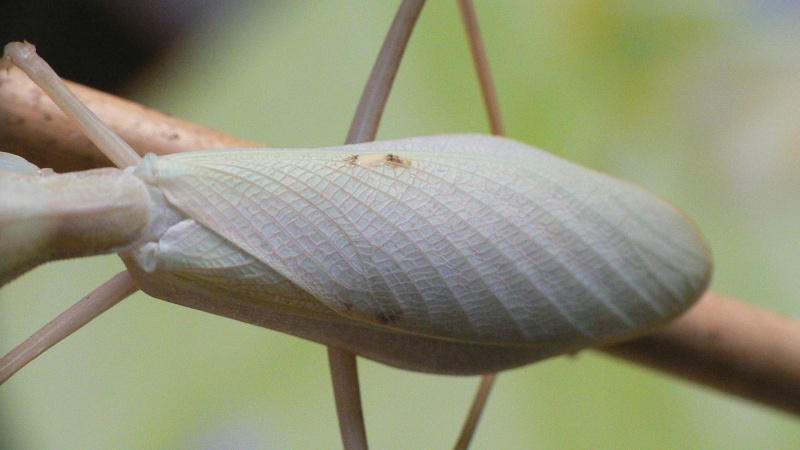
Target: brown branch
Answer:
pixel 33 127
pixel 722 343
pixel 729 345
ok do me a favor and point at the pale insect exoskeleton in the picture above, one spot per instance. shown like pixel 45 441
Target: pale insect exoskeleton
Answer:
pixel 593 229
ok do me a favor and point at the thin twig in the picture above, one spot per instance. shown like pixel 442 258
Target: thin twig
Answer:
pixel 734 370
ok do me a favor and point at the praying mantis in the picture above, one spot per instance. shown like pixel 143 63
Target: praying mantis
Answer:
pixel 448 380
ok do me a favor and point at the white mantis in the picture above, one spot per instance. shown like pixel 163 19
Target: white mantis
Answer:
pixel 410 243
pixel 412 238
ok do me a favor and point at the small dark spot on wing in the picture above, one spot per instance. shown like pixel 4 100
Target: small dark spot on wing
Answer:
pixel 397 160
pixel 381 317
pixel 387 318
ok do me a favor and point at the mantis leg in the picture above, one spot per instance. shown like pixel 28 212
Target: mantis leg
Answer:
pixel 87 309
pixel 344 371
pixel 24 56
pixel 364 128
pixel 113 291
pixel 481 60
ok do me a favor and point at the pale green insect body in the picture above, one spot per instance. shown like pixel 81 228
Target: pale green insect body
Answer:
pixel 454 240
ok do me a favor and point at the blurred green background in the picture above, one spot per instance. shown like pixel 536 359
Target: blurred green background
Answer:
pixel 698 101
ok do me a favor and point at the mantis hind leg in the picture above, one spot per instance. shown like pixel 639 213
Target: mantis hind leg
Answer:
pixel 344 372
pixel 364 128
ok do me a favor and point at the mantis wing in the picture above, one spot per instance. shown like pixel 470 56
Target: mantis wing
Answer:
pixel 466 238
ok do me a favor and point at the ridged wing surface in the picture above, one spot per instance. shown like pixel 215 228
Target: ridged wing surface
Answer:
pixel 464 237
